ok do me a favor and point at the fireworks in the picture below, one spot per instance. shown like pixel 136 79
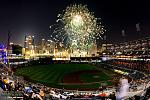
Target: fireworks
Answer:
pixel 79 27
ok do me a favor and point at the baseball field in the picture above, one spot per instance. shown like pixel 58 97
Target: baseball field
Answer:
pixel 68 76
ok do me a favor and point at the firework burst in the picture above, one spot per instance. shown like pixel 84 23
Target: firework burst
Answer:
pixel 80 28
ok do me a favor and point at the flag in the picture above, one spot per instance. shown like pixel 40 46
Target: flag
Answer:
pixel 137 27
pixel 123 33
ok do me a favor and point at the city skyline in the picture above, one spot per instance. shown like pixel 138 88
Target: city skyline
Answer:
pixel 26 17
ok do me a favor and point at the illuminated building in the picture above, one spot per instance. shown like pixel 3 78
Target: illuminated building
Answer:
pixel 50 46
pixel 3 54
pixel 29 46
pixel 45 48
pixel 29 42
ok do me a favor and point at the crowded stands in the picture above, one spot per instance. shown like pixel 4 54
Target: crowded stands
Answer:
pixel 17 88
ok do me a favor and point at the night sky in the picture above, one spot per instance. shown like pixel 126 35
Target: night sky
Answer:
pixel 33 17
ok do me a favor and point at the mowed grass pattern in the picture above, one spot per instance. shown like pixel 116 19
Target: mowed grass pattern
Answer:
pixel 52 74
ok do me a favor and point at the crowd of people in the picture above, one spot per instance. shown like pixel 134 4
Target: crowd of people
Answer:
pixel 133 64
pixel 139 71
pixel 18 88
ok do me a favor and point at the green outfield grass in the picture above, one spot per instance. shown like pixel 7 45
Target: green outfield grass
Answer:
pixel 52 75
